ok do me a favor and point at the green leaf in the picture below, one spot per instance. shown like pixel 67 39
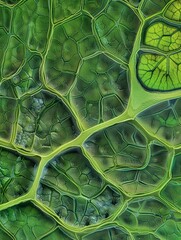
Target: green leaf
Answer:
pixel 90 119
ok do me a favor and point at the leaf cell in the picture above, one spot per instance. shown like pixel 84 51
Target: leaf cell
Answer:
pixel 24 221
pixel 121 146
pixel 28 79
pixel 80 211
pixel 31 22
pixel 163 120
pixel 116 28
pixel 113 233
pixel 173 12
pixel 57 234
pixel 163 37
pixel 171 192
pixel 75 191
pixel 94 6
pixel 158 72
pixel 151 7
pixel 13 57
pixel 17 174
pixel 144 214
pixel 65 9
pixel 44 123
pixel 70 42
pixel 104 79
pixel 128 160
pixel 71 172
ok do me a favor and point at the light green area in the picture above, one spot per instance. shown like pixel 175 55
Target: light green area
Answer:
pixel 173 12
pixel 90 120
pixel 163 37
pixel 159 60
pixel 159 72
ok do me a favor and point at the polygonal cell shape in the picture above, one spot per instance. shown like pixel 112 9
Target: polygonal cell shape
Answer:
pixel 101 91
pixel 128 160
pixel 28 79
pixel 31 23
pixel 57 234
pixel 145 214
pixel 115 232
pixel 150 7
pixel 171 192
pixel 171 228
pixel 116 28
pixel 121 146
pixel 17 174
pixel 5 18
pixel 94 7
pixel 159 61
pixel 164 121
pixel 77 192
pixel 13 57
pixel 24 221
pixel 8 107
pixel 162 36
pixel 71 41
pixel 70 64
pixel 44 123
pixel 65 9
pixel 71 172
pixel 159 72
pixel 173 12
